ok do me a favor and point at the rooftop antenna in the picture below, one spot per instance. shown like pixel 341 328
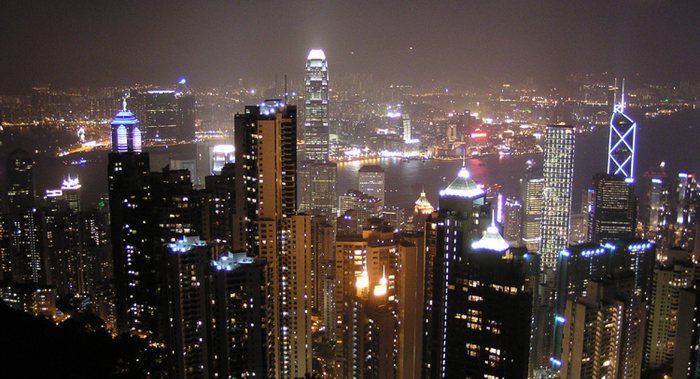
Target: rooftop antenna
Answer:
pixel 622 96
pixel 285 88
pixel 615 96
pixel 464 156
pixel 124 103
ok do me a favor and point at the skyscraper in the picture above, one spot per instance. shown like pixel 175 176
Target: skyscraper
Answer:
pixel 317 176
pixel 668 282
pixel 371 181
pixel 462 217
pixel 316 106
pixel 186 290
pixel 135 264
pixel 658 203
pixel 558 180
pixel 629 264
pixel 614 208
pixel 513 221
pixel 28 264
pixel 266 226
pixel 237 315
pixel 532 190
pixel 160 113
pixel 622 141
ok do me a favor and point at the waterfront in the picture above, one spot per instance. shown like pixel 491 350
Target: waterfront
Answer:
pixel 675 139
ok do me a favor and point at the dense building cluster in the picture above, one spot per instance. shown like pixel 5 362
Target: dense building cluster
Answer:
pixel 246 259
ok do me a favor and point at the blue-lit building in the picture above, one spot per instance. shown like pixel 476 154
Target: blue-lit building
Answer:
pixel 622 141
pixel 579 265
pixel 130 206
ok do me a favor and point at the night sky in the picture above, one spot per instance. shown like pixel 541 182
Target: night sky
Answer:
pixel 95 43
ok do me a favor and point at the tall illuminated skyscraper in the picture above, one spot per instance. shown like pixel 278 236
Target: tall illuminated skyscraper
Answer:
pixel 266 225
pixel 558 179
pixel 130 202
pixel 462 217
pixel 622 141
pixel 316 106
pixel 28 265
pixel 317 176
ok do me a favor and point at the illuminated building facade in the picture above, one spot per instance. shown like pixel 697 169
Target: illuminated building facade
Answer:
pixel 558 173
pixel 186 290
pixel 371 181
pixel 658 204
pixel 219 206
pixel 266 226
pixel 130 206
pixel 317 194
pixel 687 205
pixel 316 132
pixel 614 208
pixel 365 281
pixel 594 332
pixel 628 262
pixel 622 141
pixel 686 357
pixel 236 313
pixel 27 261
pixel 462 217
pixel 668 283
pixel 532 192
pixel 513 221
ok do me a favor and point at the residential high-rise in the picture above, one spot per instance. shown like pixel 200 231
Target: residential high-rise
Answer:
pixel 316 132
pixel 622 141
pixel 558 172
pixel 625 261
pixel 668 282
pixel 462 217
pixel 130 205
pixel 686 357
pixel 219 207
pixel 594 331
pixel 186 290
pixel 614 208
pixel 361 263
pixel 266 226
pixel 371 181
pixel 236 314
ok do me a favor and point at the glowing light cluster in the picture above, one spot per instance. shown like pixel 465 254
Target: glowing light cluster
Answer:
pixel 185 244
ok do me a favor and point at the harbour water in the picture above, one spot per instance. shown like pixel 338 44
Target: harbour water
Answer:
pixel 674 139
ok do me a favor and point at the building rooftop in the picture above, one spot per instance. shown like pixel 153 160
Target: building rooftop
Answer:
pixel 463 186
pixel 316 54
pixel 492 240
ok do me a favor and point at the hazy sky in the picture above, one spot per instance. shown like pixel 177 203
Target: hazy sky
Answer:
pixel 94 42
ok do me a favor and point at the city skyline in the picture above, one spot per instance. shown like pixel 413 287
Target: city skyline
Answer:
pixel 474 190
